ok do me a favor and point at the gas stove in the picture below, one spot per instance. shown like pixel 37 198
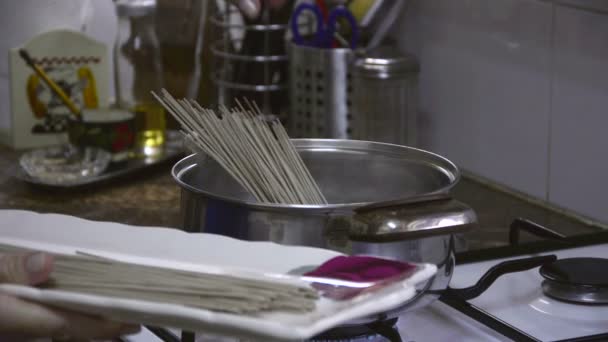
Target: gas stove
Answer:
pixel 565 299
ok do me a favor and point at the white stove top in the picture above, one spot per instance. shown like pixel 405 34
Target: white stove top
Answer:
pixel 517 299
pixel 514 298
pixel 440 323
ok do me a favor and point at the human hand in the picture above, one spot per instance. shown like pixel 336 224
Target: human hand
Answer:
pixel 251 8
pixel 20 318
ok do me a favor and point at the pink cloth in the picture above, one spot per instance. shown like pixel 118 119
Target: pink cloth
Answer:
pixel 362 268
pixel 359 269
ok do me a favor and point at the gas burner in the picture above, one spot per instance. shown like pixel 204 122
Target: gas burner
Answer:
pixel 576 280
pixel 379 331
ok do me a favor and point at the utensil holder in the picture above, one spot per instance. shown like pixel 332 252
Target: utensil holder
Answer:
pixel 319 92
pixel 238 72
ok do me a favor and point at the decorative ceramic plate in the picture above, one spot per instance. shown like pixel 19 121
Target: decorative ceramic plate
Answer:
pixel 196 252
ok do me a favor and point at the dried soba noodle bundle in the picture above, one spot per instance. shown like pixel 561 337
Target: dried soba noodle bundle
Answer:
pixel 223 293
pixel 253 150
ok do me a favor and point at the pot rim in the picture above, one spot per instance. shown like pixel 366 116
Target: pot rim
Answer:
pixel 179 169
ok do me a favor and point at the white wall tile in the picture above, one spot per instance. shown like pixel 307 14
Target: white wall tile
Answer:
pixel 517 91
pixel 579 125
pixel 101 24
pixel 436 32
pixel 511 44
pixel 485 85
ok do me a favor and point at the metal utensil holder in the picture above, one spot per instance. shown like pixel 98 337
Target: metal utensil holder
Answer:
pixel 319 92
pixel 269 91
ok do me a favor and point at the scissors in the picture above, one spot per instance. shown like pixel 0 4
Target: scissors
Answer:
pixel 326 29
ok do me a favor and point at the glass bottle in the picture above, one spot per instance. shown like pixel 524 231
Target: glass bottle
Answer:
pixel 138 72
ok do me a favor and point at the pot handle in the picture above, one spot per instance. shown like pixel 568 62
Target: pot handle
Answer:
pixel 414 218
pixel 498 270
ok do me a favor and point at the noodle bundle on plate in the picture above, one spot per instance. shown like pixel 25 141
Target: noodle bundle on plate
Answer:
pixel 224 293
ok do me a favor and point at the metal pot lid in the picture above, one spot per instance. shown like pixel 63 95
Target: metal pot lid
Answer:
pixel 424 216
pixel 386 62
pixel 350 173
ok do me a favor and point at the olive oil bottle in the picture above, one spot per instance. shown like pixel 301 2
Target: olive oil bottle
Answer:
pixel 150 123
pixel 138 72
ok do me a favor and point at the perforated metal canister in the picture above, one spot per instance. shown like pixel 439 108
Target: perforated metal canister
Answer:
pixel 320 92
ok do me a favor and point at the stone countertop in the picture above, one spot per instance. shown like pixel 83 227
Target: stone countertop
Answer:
pixel 151 198
pixel 146 198
pixel 497 207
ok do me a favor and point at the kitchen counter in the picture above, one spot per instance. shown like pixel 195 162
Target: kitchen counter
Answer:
pixel 148 198
pixel 497 207
pixel 151 198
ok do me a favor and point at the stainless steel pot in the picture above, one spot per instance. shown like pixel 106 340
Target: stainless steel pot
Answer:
pixel 385 200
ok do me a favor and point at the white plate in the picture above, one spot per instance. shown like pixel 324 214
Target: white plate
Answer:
pixel 197 252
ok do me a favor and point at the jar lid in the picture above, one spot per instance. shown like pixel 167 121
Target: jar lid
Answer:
pixel 135 8
pixel 386 62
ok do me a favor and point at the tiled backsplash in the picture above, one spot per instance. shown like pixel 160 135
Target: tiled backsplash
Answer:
pixel 516 91
pixel 513 90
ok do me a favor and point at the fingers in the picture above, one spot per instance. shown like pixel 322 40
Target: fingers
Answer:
pixel 18 316
pixel 27 269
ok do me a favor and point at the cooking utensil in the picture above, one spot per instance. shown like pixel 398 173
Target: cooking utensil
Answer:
pixel 354 176
pixel 383 22
pixel 325 13
pixel 322 6
pixel 323 37
pixel 254 67
pixel 364 11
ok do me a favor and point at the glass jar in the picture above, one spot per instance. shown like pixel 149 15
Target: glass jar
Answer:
pixel 138 72
pixel 385 97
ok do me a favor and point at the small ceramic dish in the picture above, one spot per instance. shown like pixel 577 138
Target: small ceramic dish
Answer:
pixel 60 165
